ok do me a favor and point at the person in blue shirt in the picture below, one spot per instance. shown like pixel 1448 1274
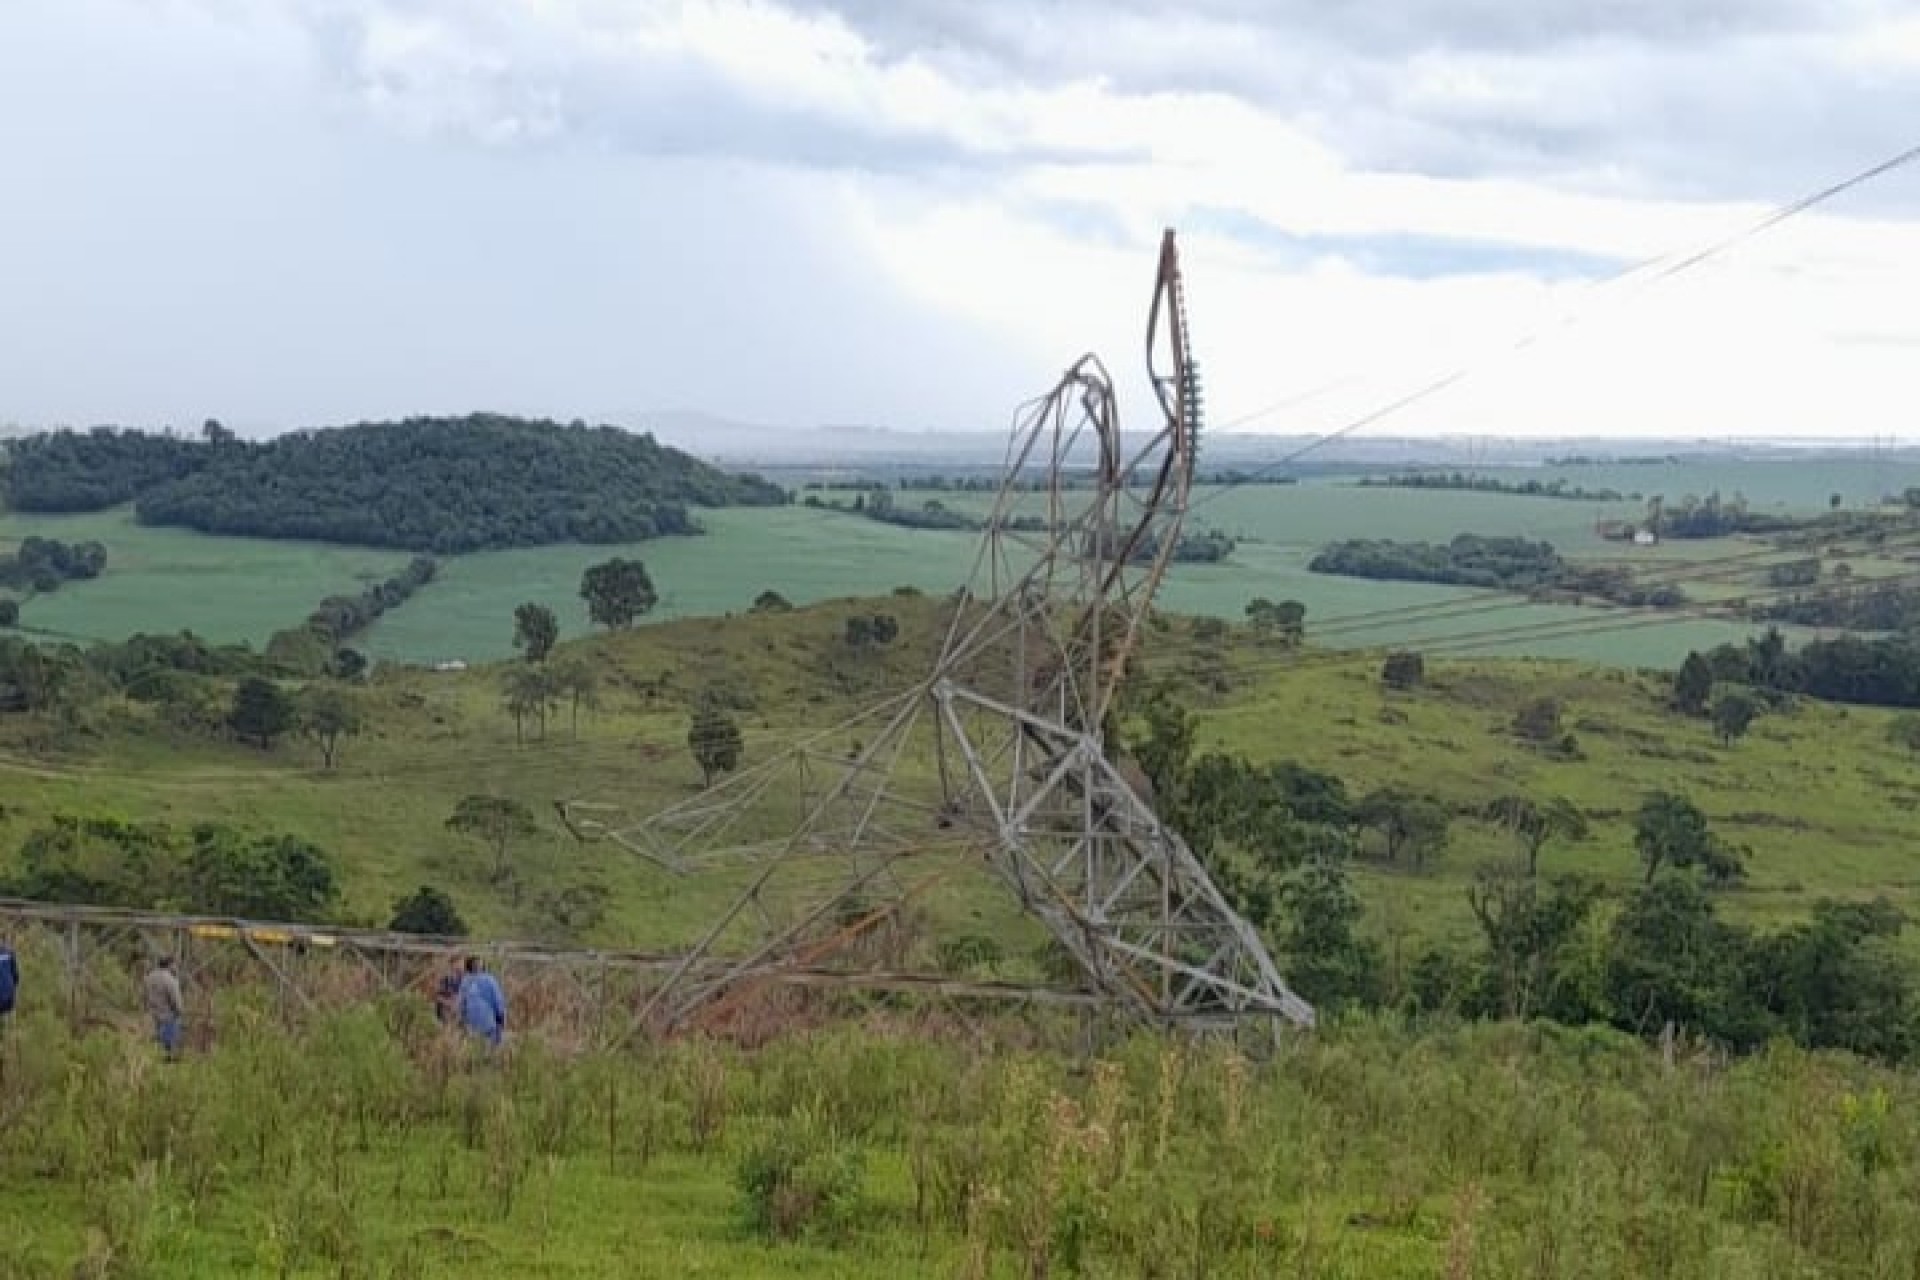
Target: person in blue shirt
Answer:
pixel 9 982
pixel 483 1007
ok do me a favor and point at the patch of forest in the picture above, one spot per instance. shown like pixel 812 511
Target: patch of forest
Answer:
pixel 1207 546
pixel 1472 483
pixel 444 485
pixel 1499 564
pixel 40 565
pixel 1852 605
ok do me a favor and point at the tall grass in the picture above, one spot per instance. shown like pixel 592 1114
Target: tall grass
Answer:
pixel 370 1143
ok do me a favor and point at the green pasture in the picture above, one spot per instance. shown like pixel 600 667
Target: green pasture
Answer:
pixel 165 580
pixel 242 589
pixel 1796 485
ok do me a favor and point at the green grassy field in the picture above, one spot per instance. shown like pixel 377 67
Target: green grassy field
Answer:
pixel 1800 485
pixel 230 589
pixel 1825 802
pixel 164 580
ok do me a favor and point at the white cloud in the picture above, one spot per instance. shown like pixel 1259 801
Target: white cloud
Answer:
pixel 800 212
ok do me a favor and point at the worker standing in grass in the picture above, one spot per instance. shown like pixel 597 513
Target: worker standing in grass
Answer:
pixel 483 1006
pixel 9 983
pixel 165 1005
pixel 446 993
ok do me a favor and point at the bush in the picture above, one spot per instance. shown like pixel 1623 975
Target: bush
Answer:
pixel 1404 671
pixel 799 1178
pixel 429 911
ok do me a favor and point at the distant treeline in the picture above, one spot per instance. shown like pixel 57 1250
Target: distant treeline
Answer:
pixel 40 565
pixel 1502 563
pixel 994 481
pixel 1589 460
pixel 1478 483
pixel 877 503
pixel 443 485
pixel 1855 606
pixel 316 644
pixel 1208 546
pixel 1714 517
pixel 1870 671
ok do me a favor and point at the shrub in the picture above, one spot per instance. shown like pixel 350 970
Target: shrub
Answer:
pixel 799 1178
pixel 1404 671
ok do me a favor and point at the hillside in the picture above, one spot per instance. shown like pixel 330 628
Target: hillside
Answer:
pixel 1823 798
pixel 425 484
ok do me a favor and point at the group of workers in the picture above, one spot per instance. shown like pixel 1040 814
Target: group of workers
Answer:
pixel 464 995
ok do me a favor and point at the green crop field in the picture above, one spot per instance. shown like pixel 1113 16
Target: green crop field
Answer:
pixel 163 580
pixel 231 589
pixel 1796 485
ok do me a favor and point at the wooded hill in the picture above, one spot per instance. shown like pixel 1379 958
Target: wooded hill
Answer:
pixel 443 485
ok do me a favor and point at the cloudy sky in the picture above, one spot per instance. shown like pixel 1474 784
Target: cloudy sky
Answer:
pixel 915 212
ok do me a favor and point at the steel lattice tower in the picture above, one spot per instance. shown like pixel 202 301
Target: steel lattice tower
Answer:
pixel 998 757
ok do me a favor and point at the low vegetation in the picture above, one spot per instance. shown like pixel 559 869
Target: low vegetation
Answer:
pixel 367 1143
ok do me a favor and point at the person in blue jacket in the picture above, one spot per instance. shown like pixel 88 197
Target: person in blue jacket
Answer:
pixel 9 982
pixel 483 1007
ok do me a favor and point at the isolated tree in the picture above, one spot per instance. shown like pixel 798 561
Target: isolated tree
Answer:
pixel 495 821
pixel 1692 685
pixel 9 612
pixel 1529 929
pixel 528 692
pixel 1733 714
pixel 1905 732
pixel 1404 671
pixel 770 602
pixel 535 631
pixel 1412 824
pixel 261 711
pixel 328 714
pixel 1535 824
pixel 427 911
pixel 1670 831
pixel 714 739
pixel 617 591
pixel 578 681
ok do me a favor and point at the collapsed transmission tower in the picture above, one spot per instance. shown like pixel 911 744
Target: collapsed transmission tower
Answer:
pixel 999 757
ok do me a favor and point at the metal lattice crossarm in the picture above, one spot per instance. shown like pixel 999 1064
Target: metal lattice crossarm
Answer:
pixel 998 758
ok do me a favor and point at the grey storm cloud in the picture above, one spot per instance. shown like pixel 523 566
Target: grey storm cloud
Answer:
pixel 1696 98
pixel 512 80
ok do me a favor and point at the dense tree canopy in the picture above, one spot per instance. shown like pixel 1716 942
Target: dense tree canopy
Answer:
pixel 426 484
pixel 1499 563
pixel 1881 671
pixel 42 564
pixel 88 471
pixel 617 591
